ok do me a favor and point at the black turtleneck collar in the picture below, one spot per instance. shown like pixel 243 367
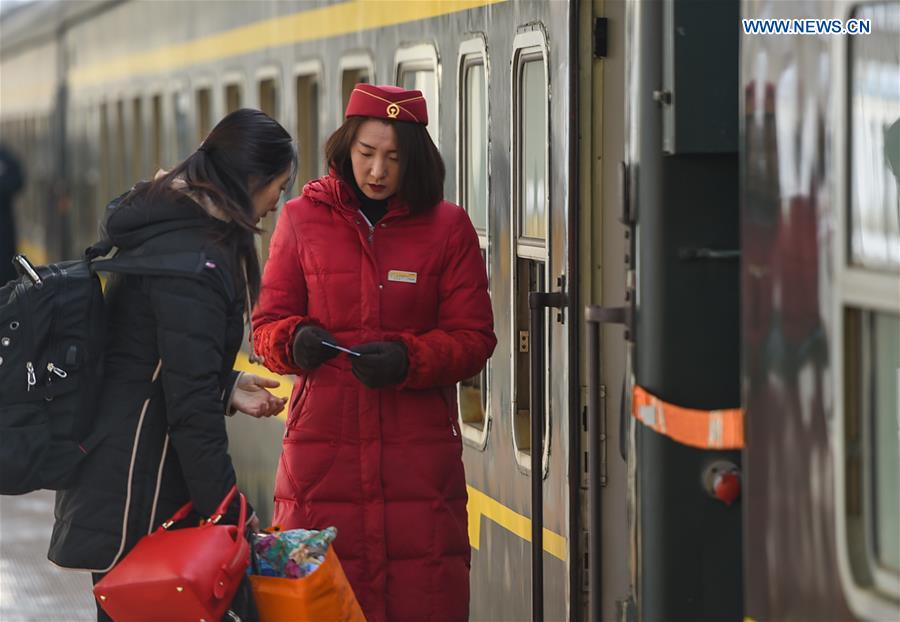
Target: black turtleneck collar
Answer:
pixel 373 209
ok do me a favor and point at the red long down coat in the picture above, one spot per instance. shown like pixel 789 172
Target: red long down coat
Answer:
pixel 383 465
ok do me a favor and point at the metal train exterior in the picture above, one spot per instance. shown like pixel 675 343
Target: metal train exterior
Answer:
pixel 688 200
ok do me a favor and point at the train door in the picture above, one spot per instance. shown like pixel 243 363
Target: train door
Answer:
pixel 539 325
pixel 605 582
pixel 515 416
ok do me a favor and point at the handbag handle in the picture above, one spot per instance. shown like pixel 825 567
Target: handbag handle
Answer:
pixel 185 509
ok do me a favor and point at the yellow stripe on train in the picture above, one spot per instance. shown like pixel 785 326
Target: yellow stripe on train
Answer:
pixel 320 23
pixel 481 504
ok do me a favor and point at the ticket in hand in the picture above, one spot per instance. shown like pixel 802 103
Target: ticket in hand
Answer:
pixel 337 347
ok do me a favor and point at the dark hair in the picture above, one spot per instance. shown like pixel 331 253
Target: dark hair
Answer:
pixel 245 151
pixel 421 166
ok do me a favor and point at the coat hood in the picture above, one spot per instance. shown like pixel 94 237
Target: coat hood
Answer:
pixel 134 218
pixel 331 191
pixel 334 192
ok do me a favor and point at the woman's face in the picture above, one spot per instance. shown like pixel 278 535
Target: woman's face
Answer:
pixel 265 199
pixel 376 166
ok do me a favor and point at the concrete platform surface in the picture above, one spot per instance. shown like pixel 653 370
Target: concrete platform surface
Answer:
pixel 31 588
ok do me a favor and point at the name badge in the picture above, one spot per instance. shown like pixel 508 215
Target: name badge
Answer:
pixel 401 276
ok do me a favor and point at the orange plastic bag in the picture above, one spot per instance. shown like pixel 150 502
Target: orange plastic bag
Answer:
pixel 323 596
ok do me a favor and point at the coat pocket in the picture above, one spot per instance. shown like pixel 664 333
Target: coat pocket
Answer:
pixel 296 401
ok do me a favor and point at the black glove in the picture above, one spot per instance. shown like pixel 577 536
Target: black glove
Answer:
pixel 382 363
pixel 308 350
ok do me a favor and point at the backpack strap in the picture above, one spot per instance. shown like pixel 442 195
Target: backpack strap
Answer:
pixel 137 261
pixel 100 248
pixel 180 263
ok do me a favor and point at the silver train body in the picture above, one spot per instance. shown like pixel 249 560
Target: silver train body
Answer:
pixel 619 156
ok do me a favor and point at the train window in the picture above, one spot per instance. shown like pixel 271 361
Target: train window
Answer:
pixel 267 93
pixel 232 97
pixel 120 153
pixel 203 104
pixel 473 192
pixel 530 276
pixel 874 234
pixel 868 290
pixel 530 143
pixel 181 103
pixel 81 162
pixel 354 69
pixel 268 96
pixel 872 361
pixel 417 68
pixel 474 142
pixel 137 140
pixel 157 135
pixel 533 178
pixel 105 183
pixel 307 109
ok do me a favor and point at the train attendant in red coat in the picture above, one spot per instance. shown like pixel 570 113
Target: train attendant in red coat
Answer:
pixel 370 257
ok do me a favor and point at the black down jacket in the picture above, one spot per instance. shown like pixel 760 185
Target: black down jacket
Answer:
pixel 168 377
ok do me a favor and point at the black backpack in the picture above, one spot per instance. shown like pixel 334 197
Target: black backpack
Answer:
pixel 52 340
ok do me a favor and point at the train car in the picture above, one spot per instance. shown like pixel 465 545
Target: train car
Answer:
pixel 820 335
pixel 692 246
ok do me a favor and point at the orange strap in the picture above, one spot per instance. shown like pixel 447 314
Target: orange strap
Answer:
pixel 706 429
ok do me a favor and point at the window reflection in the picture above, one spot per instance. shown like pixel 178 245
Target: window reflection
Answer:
pixel 473 392
pixel 424 80
pixel 885 438
pixel 476 142
pixel 875 140
pixel 534 150
pixel 872 429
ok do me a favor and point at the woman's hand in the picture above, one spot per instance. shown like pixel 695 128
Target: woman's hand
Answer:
pixel 307 348
pixel 381 363
pixel 251 396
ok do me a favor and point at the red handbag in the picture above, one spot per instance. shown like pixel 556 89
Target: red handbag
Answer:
pixel 179 574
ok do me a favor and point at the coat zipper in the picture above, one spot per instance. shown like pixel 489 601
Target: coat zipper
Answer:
pixel 134 448
pixel 371 239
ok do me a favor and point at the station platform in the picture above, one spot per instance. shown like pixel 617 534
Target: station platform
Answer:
pixel 31 588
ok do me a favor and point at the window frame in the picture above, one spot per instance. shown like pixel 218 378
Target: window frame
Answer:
pixel 418 57
pixel 473 47
pixel 864 290
pixel 528 45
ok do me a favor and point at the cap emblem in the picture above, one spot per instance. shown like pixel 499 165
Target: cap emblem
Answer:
pixel 393 110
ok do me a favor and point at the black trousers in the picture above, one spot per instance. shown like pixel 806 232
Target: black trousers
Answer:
pixel 101 615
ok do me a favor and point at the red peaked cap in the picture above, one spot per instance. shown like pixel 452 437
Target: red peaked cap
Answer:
pixel 387 102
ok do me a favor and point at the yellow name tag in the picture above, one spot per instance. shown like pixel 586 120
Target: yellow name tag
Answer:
pixel 402 277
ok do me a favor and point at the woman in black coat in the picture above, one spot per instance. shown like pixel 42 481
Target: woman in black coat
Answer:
pixel 172 341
